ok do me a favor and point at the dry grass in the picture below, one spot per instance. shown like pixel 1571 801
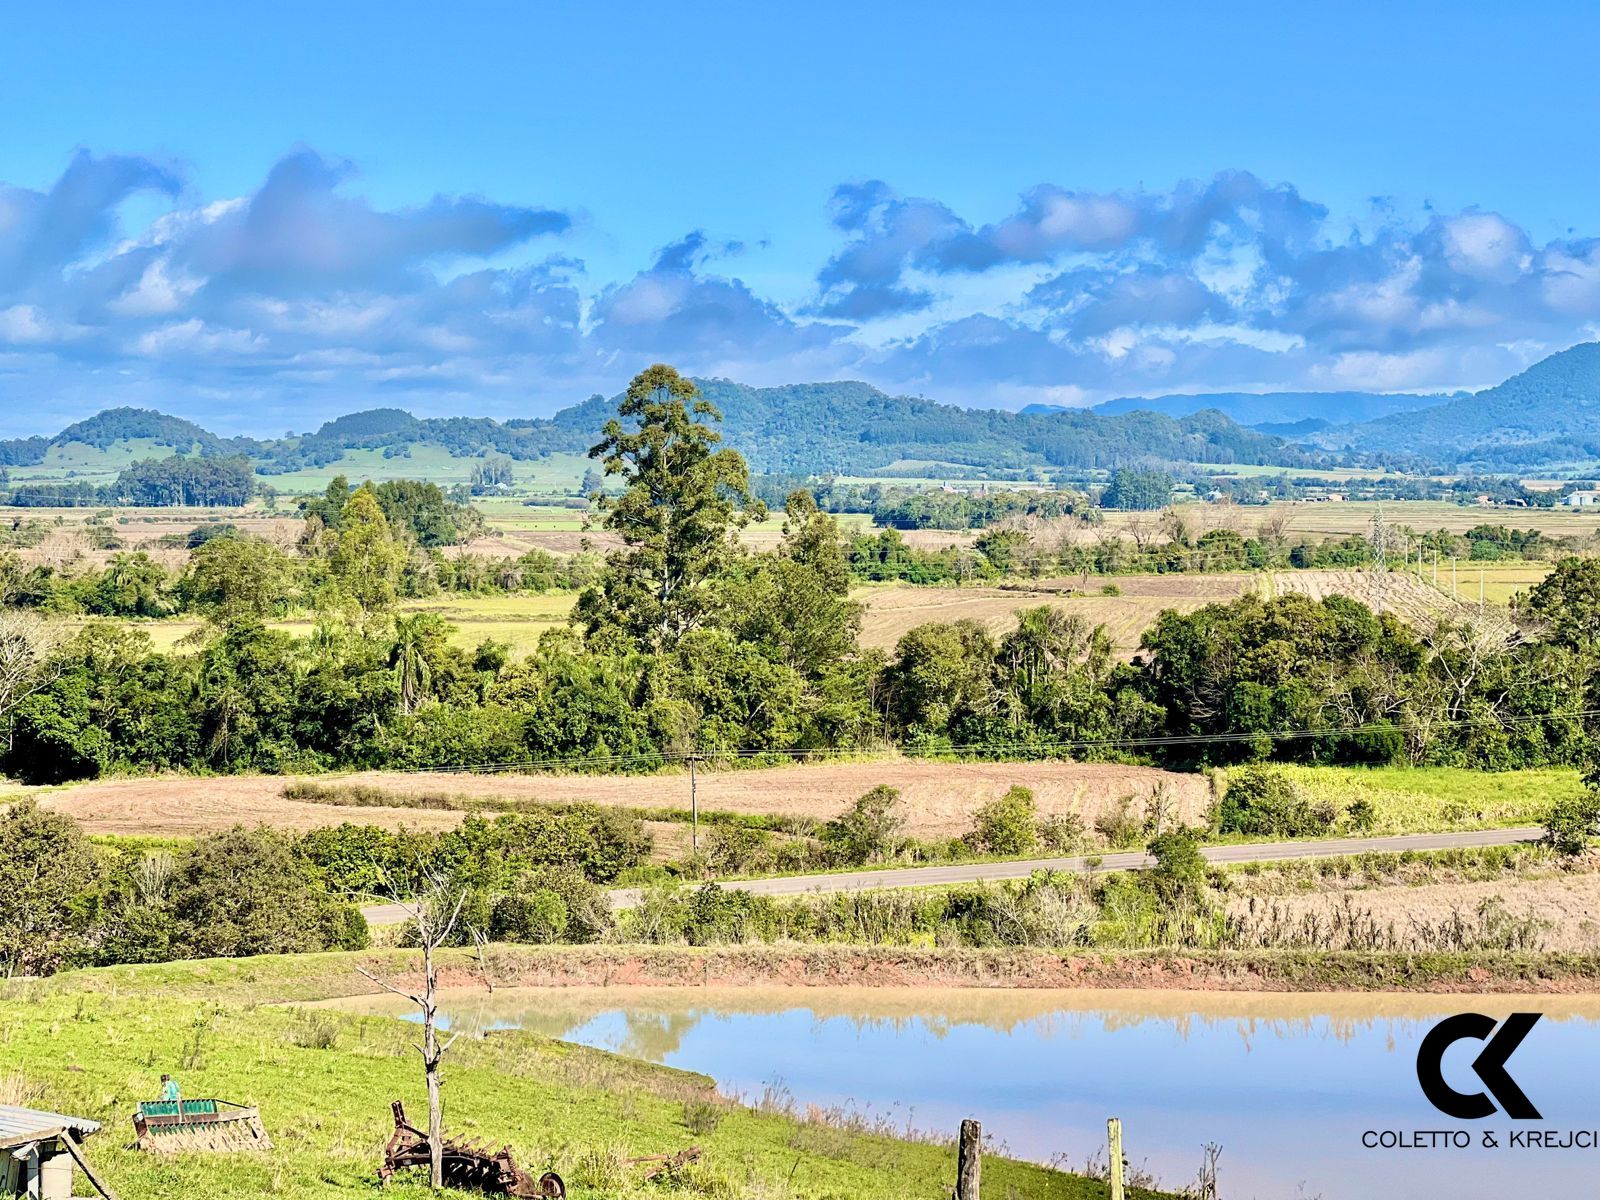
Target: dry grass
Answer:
pixel 1415 601
pixel 894 611
pixel 940 797
pixel 1568 907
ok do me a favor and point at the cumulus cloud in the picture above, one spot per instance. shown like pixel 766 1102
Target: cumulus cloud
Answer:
pixel 302 298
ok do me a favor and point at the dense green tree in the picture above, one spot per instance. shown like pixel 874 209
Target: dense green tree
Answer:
pixel 419 656
pixel 677 514
pixel 246 892
pixel 132 585
pixel 940 686
pixel 239 581
pixel 364 559
pixel 1137 489
pixel 47 868
pixel 1564 607
pixel 796 603
pixel 426 513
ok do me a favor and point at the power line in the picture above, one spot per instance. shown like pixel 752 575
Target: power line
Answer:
pixel 991 749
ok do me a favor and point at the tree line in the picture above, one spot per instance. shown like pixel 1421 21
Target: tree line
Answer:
pixel 177 481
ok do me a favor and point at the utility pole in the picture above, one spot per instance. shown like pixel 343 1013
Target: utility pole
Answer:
pixel 694 806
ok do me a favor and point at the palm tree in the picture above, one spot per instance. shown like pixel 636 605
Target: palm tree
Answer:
pixel 408 658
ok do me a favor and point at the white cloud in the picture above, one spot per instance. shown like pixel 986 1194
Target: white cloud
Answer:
pixel 302 297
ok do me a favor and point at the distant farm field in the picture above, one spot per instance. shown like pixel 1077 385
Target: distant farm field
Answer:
pixel 894 611
pixel 940 797
pixel 1339 518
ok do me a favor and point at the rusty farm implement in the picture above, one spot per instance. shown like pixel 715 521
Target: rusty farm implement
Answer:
pixel 467 1164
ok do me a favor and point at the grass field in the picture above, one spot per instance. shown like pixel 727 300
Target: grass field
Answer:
pixel 94 1043
pixel 1430 799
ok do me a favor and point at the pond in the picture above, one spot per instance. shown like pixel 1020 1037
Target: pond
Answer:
pixel 1290 1085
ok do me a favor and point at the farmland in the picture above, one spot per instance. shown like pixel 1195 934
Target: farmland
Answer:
pixel 1137 601
pixel 940 797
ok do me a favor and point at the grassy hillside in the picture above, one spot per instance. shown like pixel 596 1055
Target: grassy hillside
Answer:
pixel 95 1042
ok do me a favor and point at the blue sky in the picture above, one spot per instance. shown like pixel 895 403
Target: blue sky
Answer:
pixel 268 217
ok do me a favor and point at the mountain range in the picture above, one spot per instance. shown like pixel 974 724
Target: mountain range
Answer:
pixel 814 428
pixel 1547 418
pixel 1271 411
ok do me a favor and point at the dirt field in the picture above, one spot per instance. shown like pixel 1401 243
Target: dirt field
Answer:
pixel 893 611
pixel 1339 518
pixel 940 797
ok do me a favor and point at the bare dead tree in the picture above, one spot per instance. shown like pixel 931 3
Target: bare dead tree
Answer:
pixel 434 905
pixel 1141 527
pixel 1176 525
pixel 1273 531
pixel 480 943
pixel 28 659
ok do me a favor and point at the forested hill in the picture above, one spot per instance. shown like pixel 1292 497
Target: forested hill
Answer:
pixel 117 426
pixel 1274 408
pixel 1548 416
pixel 845 428
pixel 853 427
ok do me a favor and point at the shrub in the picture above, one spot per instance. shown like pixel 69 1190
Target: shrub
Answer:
pixel 736 849
pixel 47 867
pixel 701 1115
pixel 1180 871
pixel 539 916
pixel 1062 832
pixel 1008 825
pixel 315 1031
pixel 589 916
pixel 1361 815
pixel 1119 826
pixel 1572 821
pixel 1263 803
pixel 867 830
pixel 246 892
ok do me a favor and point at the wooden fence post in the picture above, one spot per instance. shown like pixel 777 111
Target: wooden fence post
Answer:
pixel 969 1161
pixel 1114 1134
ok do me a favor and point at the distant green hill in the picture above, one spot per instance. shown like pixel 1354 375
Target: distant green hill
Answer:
pixel 1548 416
pixel 1266 409
pixel 121 426
pixel 841 428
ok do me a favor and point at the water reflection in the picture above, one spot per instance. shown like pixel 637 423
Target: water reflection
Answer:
pixel 1288 1083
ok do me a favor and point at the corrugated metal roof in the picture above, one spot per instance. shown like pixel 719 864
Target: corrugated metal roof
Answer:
pixel 24 1122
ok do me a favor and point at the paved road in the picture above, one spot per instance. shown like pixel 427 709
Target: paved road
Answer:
pixel 1137 860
